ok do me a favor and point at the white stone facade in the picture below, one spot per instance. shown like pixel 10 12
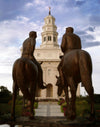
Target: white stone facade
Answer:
pixel 49 53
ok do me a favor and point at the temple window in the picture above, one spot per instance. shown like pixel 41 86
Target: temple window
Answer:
pixel 49 20
pixel 44 38
pixel 49 38
pixel 54 39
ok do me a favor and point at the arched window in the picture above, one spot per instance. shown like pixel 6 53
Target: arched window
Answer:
pixel 49 21
pixel 54 39
pixel 49 38
pixel 49 90
pixel 44 38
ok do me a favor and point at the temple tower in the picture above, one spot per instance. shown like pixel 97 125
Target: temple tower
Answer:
pixel 49 34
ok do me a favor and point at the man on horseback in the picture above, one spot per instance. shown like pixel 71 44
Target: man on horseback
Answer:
pixel 70 41
pixel 28 52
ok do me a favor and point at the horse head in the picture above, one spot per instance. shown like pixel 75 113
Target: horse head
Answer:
pixel 60 87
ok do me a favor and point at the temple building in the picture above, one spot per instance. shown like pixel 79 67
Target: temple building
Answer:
pixel 48 53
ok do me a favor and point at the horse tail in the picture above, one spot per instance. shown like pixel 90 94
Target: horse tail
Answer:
pixel 19 78
pixel 85 65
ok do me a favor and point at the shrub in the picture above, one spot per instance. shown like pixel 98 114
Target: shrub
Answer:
pixel 63 107
pixel 5 108
pixel 97 98
pixel 5 95
pixel 36 105
pixel 61 101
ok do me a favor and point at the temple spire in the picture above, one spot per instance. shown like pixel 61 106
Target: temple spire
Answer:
pixel 49 10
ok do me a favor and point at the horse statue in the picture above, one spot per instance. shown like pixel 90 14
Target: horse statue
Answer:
pixel 76 68
pixel 25 78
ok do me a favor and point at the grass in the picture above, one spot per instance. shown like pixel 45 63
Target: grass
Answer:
pixel 83 107
pixel 5 109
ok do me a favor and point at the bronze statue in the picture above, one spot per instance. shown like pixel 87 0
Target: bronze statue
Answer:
pixel 27 74
pixel 25 78
pixel 70 41
pixel 75 67
pixel 28 52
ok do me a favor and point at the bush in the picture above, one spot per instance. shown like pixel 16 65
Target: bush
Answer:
pixel 63 107
pixel 5 108
pixel 5 95
pixel 36 105
pixel 61 101
pixel 5 117
pixel 97 98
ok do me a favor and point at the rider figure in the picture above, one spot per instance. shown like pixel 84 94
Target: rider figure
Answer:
pixel 70 41
pixel 28 52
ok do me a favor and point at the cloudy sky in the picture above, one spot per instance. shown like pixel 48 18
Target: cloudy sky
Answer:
pixel 19 17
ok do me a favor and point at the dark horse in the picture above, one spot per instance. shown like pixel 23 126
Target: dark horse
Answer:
pixel 25 75
pixel 76 68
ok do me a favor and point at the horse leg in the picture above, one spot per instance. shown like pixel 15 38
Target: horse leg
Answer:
pixel 61 72
pixel 87 83
pixel 72 102
pixel 66 95
pixel 32 92
pixel 72 106
pixel 15 88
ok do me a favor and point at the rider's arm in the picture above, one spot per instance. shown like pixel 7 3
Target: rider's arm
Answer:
pixel 63 44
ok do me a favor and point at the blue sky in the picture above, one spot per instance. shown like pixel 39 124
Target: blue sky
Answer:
pixel 18 18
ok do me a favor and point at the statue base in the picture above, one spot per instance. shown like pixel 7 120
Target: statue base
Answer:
pixel 52 122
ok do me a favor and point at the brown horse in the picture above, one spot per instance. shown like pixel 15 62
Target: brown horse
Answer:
pixel 76 68
pixel 25 75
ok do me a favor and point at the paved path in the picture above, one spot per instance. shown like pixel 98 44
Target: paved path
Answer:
pixel 48 109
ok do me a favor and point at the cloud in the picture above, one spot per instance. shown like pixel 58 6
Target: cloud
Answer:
pixel 17 29
pixel 28 5
pixel 90 28
pixel 80 2
pixel 13 33
pixel 6 80
pixel 95 55
pixel 89 36
pixel 90 44
pixel 95 20
pixel 10 9
pixel 36 5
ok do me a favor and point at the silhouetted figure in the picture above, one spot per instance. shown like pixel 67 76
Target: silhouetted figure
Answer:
pixel 28 52
pixel 27 74
pixel 75 67
pixel 70 41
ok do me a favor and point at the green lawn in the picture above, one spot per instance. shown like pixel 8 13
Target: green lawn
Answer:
pixel 83 107
pixel 5 108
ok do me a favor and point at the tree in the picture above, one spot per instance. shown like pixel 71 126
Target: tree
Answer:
pixel 5 94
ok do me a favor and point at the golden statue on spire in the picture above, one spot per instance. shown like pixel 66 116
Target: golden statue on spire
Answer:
pixel 49 10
